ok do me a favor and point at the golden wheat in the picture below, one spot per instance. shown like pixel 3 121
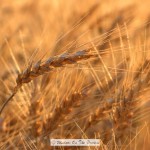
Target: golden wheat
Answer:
pixel 71 95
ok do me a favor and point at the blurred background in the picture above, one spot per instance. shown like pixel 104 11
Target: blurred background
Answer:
pixel 51 27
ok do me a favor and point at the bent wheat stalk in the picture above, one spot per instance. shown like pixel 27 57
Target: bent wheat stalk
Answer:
pixel 40 68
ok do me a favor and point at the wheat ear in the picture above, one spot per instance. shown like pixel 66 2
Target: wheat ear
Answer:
pixel 63 110
pixel 40 68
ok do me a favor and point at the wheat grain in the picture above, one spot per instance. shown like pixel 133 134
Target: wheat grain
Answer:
pixel 58 61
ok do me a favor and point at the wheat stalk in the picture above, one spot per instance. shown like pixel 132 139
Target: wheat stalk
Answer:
pixel 123 110
pixel 40 68
pixel 61 112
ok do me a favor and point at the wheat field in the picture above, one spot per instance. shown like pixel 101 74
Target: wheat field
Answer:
pixel 72 69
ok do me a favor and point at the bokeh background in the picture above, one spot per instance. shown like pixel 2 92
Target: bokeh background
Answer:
pixel 32 30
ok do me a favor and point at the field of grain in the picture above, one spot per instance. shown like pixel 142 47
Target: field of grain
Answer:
pixel 74 69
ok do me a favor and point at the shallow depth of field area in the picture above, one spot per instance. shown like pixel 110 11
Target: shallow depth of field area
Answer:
pixel 74 69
